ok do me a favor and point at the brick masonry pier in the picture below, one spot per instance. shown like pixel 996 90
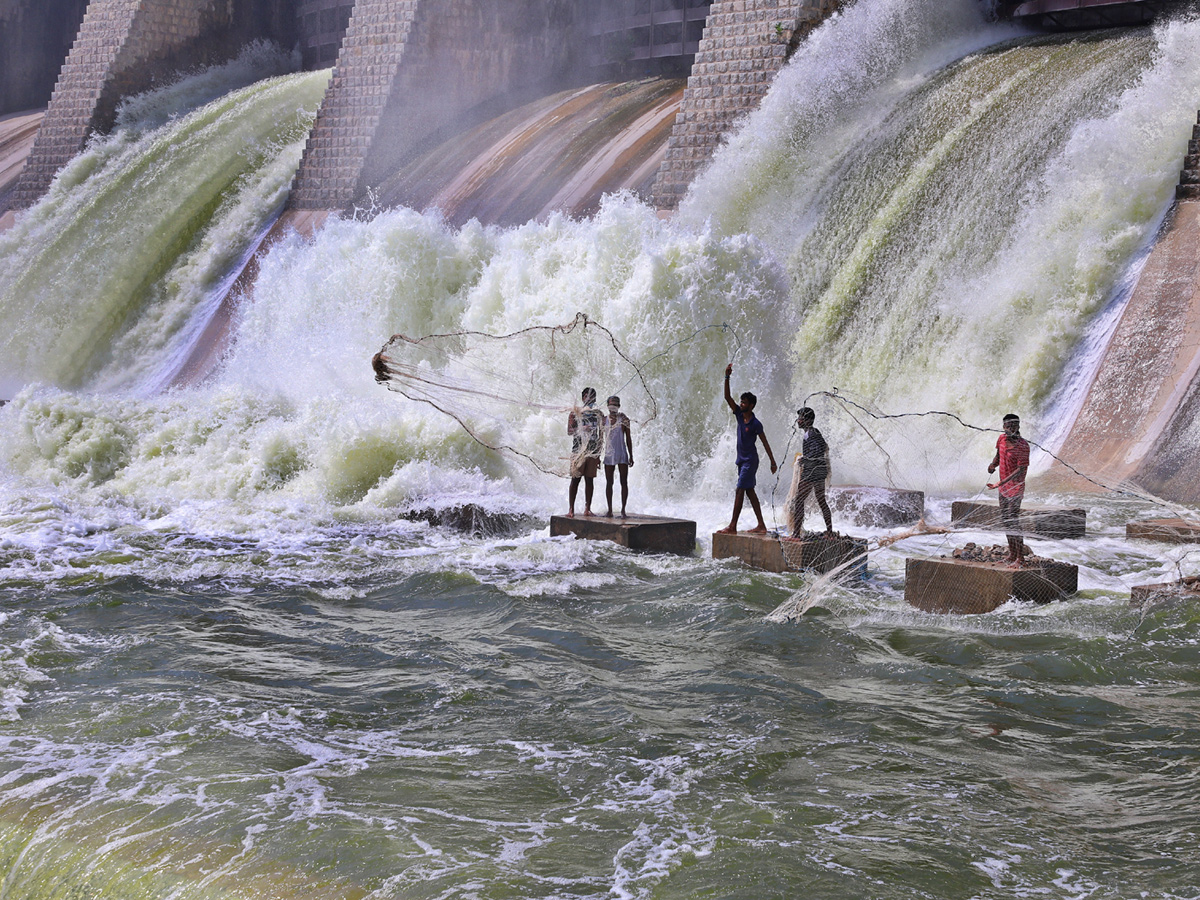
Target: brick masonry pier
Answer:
pixel 958 586
pixel 408 70
pixel 651 533
pixel 1043 521
pixel 745 44
pixel 123 47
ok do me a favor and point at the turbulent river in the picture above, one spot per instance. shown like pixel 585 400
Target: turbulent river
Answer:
pixel 232 666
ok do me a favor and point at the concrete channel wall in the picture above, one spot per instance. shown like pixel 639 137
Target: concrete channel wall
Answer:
pixel 1140 420
pixel 35 37
pixel 408 70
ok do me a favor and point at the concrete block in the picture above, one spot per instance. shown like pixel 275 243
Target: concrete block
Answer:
pixel 652 533
pixel 876 507
pixel 946 585
pixel 1165 592
pixel 761 551
pixel 841 553
pixel 1044 521
pixel 773 553
pixel 1168 531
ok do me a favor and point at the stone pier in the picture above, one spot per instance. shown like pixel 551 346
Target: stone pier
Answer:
pixel 745 44
pixel 773 553
pixel 651 533
pixel 1043 521
pixel 947 585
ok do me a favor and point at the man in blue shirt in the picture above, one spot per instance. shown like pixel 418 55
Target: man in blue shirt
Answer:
pixel 749 430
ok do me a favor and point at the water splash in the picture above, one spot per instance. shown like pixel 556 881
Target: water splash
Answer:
pixel 952 232
pixel 108 278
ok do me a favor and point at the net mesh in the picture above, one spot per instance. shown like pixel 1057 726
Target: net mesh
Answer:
pixel 961 560
pixel 496 386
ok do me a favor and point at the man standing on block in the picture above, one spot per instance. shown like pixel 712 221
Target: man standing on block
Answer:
pixel 583 425
pixel 1012 458
pixel 749 430
pixel 808 477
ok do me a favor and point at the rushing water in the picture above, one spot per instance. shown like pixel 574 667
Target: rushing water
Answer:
pixel 230 667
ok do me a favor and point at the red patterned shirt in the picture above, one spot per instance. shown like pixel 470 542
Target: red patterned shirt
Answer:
pixel 1014 454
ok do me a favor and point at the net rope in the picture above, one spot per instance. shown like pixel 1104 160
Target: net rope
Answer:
pixel 489 384
pixel 1174 533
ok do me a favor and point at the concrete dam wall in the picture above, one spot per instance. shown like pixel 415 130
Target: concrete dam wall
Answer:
pixel 410 72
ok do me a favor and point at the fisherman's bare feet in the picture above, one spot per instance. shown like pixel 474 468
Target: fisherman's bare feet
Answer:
pixel 758 529
pixel 571 514
pixel 588 512
pixel 608 515
pixel 728 529
pixel 623 516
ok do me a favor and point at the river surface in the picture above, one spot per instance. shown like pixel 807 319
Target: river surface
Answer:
pixel 396 711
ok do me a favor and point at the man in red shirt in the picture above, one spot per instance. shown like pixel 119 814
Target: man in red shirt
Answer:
pixel 1012 458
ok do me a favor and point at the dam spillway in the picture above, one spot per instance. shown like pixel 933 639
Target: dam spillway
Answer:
pixel 231 664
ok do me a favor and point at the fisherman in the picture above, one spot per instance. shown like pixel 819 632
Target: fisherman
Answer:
pixel 749 430
pixel 1012 459
pixel 618 452
pixel 583 425
pixel 812 468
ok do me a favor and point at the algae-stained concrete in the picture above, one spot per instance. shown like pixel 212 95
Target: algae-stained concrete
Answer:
pixel 868 506
pixel 1044 521
pixel 1167 531
pixel 959 586
pixel 1138 418
pixel 773 553
pixel 651 533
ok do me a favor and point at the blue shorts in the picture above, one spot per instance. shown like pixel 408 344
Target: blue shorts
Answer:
pixel 747 470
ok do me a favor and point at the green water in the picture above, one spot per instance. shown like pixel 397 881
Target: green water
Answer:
pixel 533 718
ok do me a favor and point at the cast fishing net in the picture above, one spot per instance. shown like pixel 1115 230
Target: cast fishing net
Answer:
pixel 1069 515
pixel 513 392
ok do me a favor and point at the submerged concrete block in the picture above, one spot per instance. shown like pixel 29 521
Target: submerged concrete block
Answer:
pixel 960 586
pixel 652 533
pixel 1165 592
pixel 868 506
pixel 1169 531
pixel 773 553
pixel 1044 521
pixel 473 519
